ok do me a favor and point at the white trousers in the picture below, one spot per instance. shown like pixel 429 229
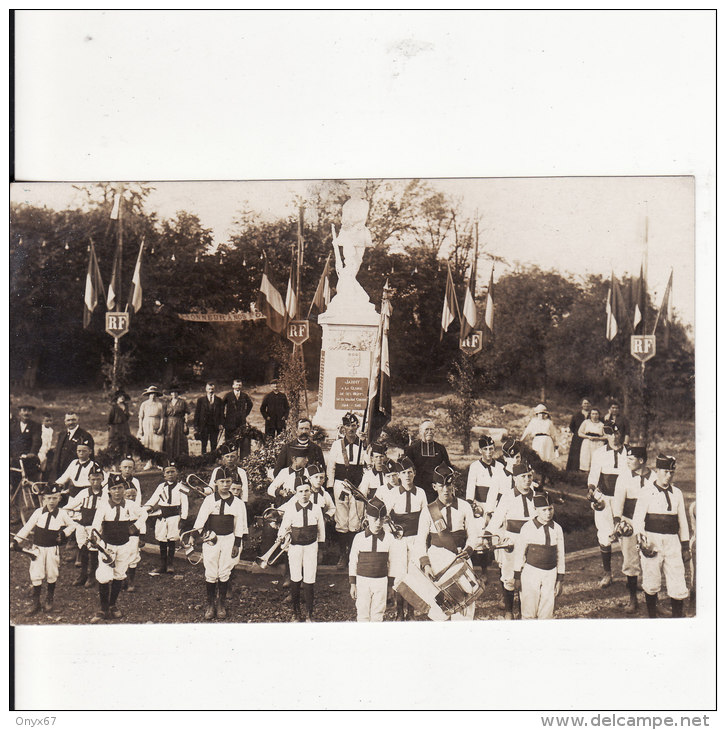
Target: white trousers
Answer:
pixel 537 597
pixel 371 598
pixel 218 561
pixel 506 562
pixel 45 566
pixel 303 561
pixel 167 528
pixel 123 554
pixel 82 535
pixel 136 551
pixel 604 522
pixel 348 512
pixel 631 555
pixel 669 561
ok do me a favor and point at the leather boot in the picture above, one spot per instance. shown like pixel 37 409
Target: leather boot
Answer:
pixel 35 607
pixel 211 591
pixel 222 600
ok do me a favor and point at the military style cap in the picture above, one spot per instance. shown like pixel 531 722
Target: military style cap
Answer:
pixel 542 499
pixel 406 463
pixel 392 466
pixel 350 419
pixel 223 473
pixel 639 452
pixel 610 429
pixel 511 447
pixel 314 469
pixel 376 508
pixel 48 488
pixel 378 448
pixel 486 441
pixel 228 447
pixel 443 474
pixel 665 462
pixel 521 468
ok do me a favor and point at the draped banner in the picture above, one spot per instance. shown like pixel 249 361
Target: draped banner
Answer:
pixel 216 317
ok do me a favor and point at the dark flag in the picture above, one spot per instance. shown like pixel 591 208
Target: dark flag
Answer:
pixel 270 303
pixel 378 411
pixel 322 293
pixel 664 312
pixel 94 286
pixel 451 306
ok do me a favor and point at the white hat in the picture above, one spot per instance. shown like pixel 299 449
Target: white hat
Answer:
pixel 541 408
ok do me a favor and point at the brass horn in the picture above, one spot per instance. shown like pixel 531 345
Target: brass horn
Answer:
pixel 95 540
pixel 27 547
pixel 396 529
pixel 191 540
pixel 280 546
pixel 197 485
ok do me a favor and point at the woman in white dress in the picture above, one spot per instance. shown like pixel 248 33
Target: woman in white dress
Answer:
pixel 151 421
pixel 593 437
pixel 543 433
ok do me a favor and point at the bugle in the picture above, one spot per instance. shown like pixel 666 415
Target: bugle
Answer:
pixel 280 546
pixel 95 540
pixel 27 547
pixel 493 541
pixel 194 483
pixel 192 540
pixel 394 527
pixel 272 517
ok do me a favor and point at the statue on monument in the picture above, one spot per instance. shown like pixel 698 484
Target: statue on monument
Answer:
pixel 352 241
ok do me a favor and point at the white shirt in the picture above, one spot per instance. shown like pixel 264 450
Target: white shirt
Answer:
pixel 293 517
pixel 652 500
pixel 462 518
pixel 605 461
pixel 513 506
pixel 534 533
pixel 170 495
pixel 59 521
pixel 77 473
pixel 492 476
pixel 127 511
pixel 214 505
pixel 629 486
pixel 287 479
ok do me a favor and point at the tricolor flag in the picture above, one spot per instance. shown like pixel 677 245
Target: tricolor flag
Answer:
pixel 664 312
pixel 489 313
pixel 450 303
pixel 469 315
pixel 135 294
pixel 291 296
pixel 378 410
pixel 614 309
pixel 94 286
pixel 114 288
pixel 322 293
pixel 639 305
pixel 270 303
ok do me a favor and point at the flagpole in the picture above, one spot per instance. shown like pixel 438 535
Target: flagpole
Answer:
pixel 300 258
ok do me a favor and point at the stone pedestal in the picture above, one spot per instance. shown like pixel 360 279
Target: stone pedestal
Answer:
pixel 349 341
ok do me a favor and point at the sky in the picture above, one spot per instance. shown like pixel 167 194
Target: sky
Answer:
pixel 578 225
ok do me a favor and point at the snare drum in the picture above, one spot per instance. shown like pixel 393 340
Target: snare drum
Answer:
pixel 458 587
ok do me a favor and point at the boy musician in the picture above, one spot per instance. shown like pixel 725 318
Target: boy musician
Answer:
pixel 224 515
pixel 628 488
pixel 131 494
pixel 514 510
pixel 511 454
pixel 404 505
pixel 126 469
pixel 116 520
pixel 170 500
pixel 346 460
pixel 371 568
pixel 661 526
pixel 84 505
pixel 306 525
pixel 608 463
pixel 285 484
pixel 539 561
pixel 230 460
pixel 51 527
pixel 374 478
pixel 446 530
pixel 392 480
pixel 75 477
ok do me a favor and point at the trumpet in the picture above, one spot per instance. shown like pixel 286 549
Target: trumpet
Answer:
pixel 645 547
pixel 27 547
pixel 196 484
pixel 493 541
pixel 395 528
pixel 191 540
pixel 35 488
pixel 280 546
pixel 95 540
pixel 272 517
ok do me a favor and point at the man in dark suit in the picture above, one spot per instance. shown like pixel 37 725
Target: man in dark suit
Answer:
pixel 65 450
pixel 208 418
pixel 274 410
pixel 24 443
pixel 303 440
pixel 237 406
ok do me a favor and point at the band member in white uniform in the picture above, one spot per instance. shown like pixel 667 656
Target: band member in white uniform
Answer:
pixel 171 501
pixel 374 477
pixel 306 525
pixel 116 520
pixel 224 515
pixel 661 525
pixel 372 567
pixel 628 488
pixel 230 460
pixel 392 480
pixel 284 486
pixel 51 526
pixel 131 494
pixel 539 561
pixel 514 510
pixel 607 464
pixel 446 529
pixel 347 459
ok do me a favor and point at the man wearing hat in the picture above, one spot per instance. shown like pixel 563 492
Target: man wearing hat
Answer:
pixel 486 481
pixel 116 520
pixel 661 527
pixel 170 501
pixel 25 441
pixel 446 529
pixel 209 418
pixel 285 484
pixel 374 477
pixel 346 460
pixel 237 406
pixel 119 433
pixel 65 450
pixel 392 471
pixel 230 461
pixel 75 477
pixel 306 525
pixel 614 418
pixel 315 453
pixel 511 454
pixel 515 509
pixel 608 463
pixel 405 503
pixel 426 454
pixel 224 515
pixel 51 526
pixel 372 566
pixel 83 508
pixel 274 409
pixel 318 495
pixel 539 561
pixel 628 488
